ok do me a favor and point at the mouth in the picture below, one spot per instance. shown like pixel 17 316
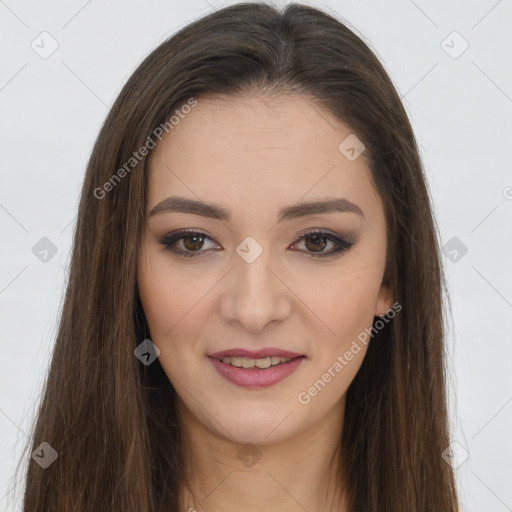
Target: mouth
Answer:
pixel 259 364
pixel 256 369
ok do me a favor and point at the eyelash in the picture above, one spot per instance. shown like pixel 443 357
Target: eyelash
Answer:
pixel 340 243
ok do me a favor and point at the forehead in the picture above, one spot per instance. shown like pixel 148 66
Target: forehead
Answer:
pixel 257 150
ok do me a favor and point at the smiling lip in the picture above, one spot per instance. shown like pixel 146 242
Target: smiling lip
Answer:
pixel 256 377
pixel 255 354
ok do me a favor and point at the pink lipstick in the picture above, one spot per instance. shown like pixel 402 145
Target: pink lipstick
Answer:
pixel 256 368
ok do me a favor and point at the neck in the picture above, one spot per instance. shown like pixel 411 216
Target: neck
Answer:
pixel 294 475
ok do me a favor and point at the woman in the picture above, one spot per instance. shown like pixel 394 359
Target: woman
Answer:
pixel 253 318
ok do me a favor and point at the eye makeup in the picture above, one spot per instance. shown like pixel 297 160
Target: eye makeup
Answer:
pixel 192 242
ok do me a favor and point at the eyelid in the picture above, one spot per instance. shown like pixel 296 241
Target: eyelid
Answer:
pixel 175 236
pixel 310 231
pixel 341 243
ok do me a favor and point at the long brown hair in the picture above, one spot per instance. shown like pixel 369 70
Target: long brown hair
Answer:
pixel 110 418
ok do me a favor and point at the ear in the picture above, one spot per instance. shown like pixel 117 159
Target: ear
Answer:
pixel 384 299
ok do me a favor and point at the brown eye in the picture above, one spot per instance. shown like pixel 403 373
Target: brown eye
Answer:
pixel 315 242
pixel 187 243
pixel 193 243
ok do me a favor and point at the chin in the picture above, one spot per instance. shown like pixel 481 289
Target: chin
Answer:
pixel 258 425
pixel 253 434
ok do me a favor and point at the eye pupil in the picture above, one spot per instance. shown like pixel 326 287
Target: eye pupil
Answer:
pixel 192 243
pixel 196 244
pixel 315 238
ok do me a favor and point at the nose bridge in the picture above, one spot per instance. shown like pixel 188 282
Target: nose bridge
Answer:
pixel 255 279
pixel 256 296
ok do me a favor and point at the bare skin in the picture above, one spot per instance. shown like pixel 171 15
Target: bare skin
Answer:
pixel 261 449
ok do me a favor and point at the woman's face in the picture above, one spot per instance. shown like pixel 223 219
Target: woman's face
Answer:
pixel 249 279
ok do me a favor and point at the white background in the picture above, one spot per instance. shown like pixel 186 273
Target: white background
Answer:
pixel 460 108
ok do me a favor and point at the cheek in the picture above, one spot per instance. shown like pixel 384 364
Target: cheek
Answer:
pixel 345 305
pixel 173 310
pixel 159 305
pixel 166 295
pixel 162 307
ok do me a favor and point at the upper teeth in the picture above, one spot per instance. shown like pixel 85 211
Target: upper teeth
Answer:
pixel 246 362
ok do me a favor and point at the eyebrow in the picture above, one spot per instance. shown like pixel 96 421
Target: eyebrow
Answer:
pixel 214 211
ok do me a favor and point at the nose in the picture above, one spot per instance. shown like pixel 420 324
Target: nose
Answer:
pixel 255 295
